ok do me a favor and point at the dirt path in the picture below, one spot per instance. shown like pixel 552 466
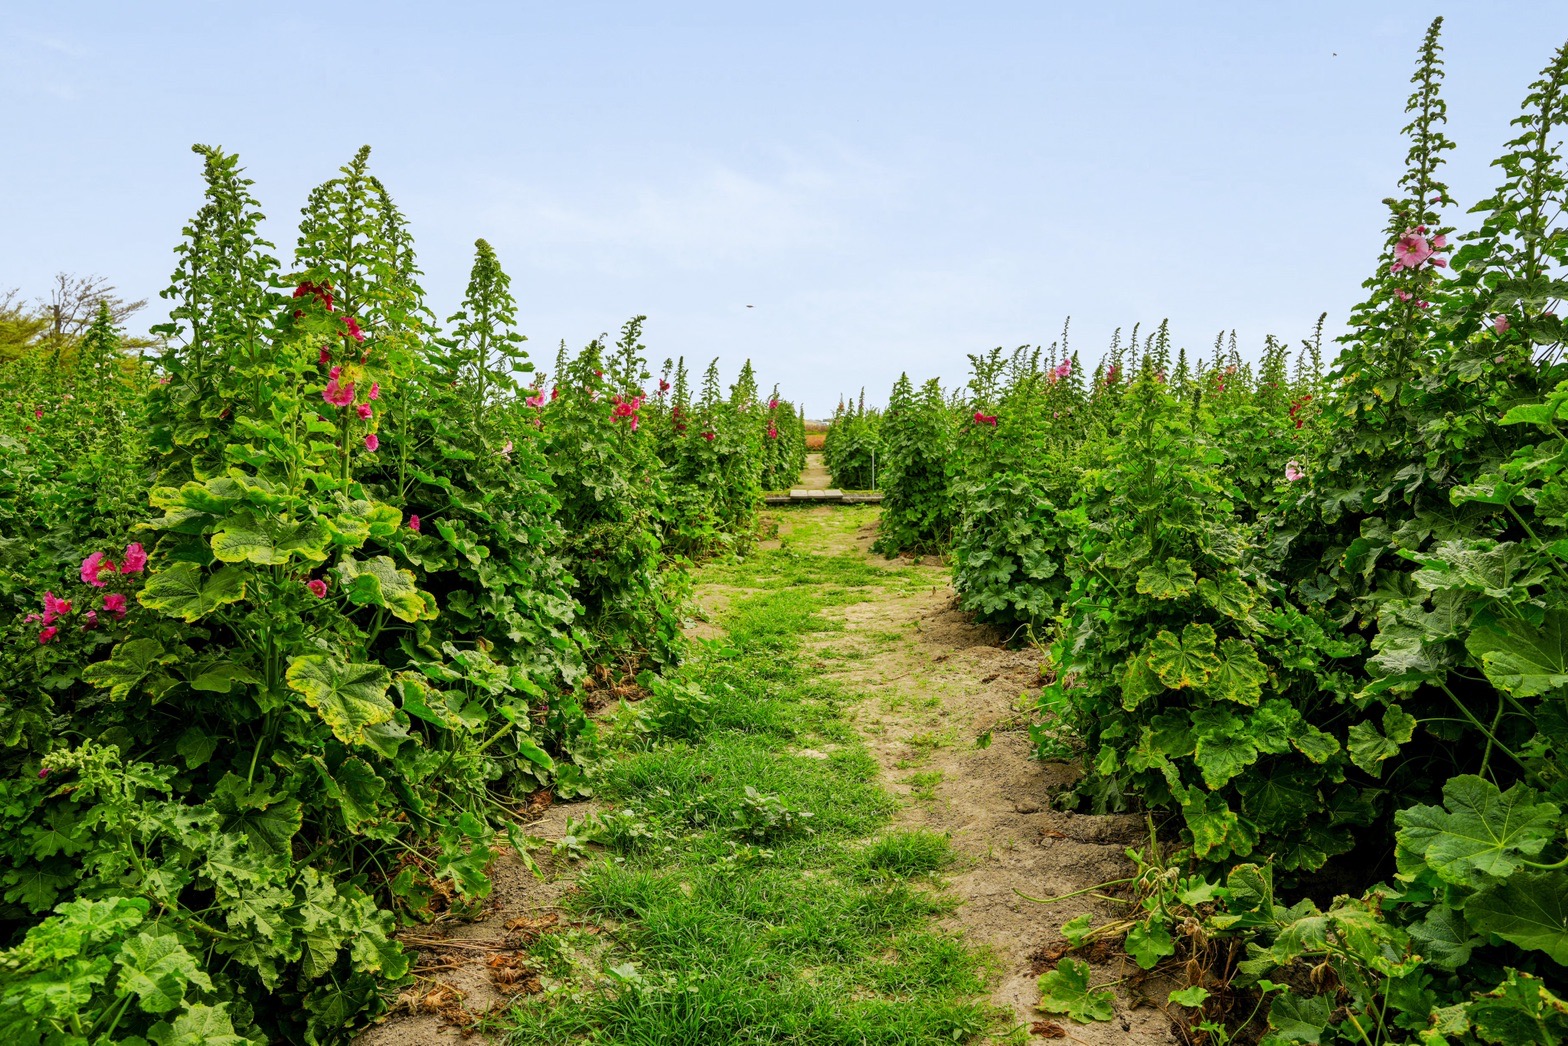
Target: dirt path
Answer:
pixel 815 476
pixel 934 682
pixel 926 683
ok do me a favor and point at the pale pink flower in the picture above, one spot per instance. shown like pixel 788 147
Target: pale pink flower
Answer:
pixel 135 559
pixel 1500 324
pixel 1062 369
pixel 1402 294
pixel 1293 472
pixel 1412 250
pixel 506 451
pixel 1439 241
pixel 1498 359
pixel 371 442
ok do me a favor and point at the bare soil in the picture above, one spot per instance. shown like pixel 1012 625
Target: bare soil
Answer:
pixel 815 476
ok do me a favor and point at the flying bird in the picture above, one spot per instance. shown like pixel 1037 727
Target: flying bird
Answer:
pixel 751 306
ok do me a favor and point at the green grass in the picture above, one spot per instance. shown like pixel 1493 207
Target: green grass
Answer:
pixel 748 894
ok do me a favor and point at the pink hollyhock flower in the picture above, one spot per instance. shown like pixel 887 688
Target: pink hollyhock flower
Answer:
pixel 506 451
pixel 1412 250
pixel 1423 305
pixel 1402 294
pixel 709 436
pixel 1293 472
pixel 554 392
pixel 353 329
pixel 337 394
pixel 47 634
pixel 114 603
pixel 318 587
pixel 413 523
pixel 1439 241
pixel 664 386
pixel 1062 369
pixel 536 400
pixel 1396 267
pixel 635 421
pixel 375 391
pixel 773 404
pixel 371 442
pixel 135 559
pixel 335 373
pixel 54 608
pixel 43 773
pixel 91 619
pixel 323 357
pixel 773 432
pixel 1441 263
pixel 1500 324
pixel 364 411
pixel 1436 199
pixel 1112 375
pixel 1498 359
pixel 92 566
pixel 38 412
pixel 322 293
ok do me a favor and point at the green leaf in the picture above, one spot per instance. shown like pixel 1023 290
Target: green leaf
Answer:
pixel 158 970
pixel 1149 941
pixel 1169 580
pixel 1482 832
pixel 1240 676
pixel 350 696
pixel 1195 995
pixel 201 1025
pixel 268 541
pixel 178 590
pixel 1223 756
pixel 1076 930
pixel 1520 1010
pixel 221 677
pixel 1297 1019
pixel 1524 660
pixel 1368 748
pixel 1443 938
pixel 1066 990
pixel 1529 908
pixel 1184 662
pixel 1228 594
pixel 379 582
pixel 127 666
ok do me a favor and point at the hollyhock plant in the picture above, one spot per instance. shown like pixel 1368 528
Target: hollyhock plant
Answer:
pixel 1412 250
pixel 135 560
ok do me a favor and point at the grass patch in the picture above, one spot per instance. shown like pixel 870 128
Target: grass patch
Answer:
pixel 744 894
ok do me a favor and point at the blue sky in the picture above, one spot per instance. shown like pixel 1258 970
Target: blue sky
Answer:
pixel 891 186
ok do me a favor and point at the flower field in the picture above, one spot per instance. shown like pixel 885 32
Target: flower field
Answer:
pixel 297 608
pixel 1308 609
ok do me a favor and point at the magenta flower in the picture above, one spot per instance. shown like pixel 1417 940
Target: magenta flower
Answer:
pixel 47 634
pixel 709 436
pixel 337 394
pixel 375 391
pixel 38 412
pixel 353 329
pixel 371 442
pixel 92 566
pixel 318 587
pixel 1062 369
pixel 335 372
pixel 1500 324
pixel 536 400
pixel 364 411
pixel 773 404
pixel 114 603
pixel 92 619
pixel 54 608
pixel 1402 294
pixel 413 523
pixel 135 559
pixel 1293 472
pixel 324 357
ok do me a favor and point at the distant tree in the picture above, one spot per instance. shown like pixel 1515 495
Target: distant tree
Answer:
pixel 73 302
pixel 20 328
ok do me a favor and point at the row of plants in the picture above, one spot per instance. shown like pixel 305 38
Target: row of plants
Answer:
pixel 293 610
pixel 849 449
pixel 1313 617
